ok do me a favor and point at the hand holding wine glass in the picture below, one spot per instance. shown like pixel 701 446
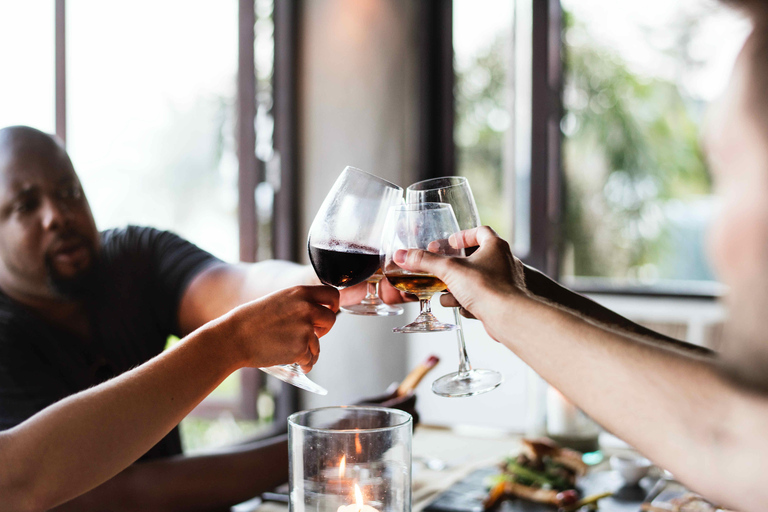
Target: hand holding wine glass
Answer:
pixel 422 226
pixel 455 191
pixel 343 242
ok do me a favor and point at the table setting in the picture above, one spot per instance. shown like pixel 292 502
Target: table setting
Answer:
pixel 367 457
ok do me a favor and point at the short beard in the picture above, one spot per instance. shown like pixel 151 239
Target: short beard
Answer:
pixel 83 285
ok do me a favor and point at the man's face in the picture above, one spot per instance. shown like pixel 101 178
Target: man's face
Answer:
pixel 48 238
pixel 737 146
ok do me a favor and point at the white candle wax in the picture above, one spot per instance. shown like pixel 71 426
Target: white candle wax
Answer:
pixel 357 508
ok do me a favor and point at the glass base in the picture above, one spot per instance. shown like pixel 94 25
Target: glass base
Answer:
pixel 426 322
pixel 292 374
pixel 473 382
pixel 381 309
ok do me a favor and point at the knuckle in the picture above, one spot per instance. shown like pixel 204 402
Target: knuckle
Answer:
pixel 305 310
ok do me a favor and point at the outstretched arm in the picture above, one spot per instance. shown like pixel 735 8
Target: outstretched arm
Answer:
pixel 210 482
pixel 87 438
pixel 673 406
pixel 544 288
pixel 224 286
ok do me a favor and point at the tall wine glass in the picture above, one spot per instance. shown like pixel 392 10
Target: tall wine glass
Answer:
pixel 344 241
pixel 419 226
pixel 467 381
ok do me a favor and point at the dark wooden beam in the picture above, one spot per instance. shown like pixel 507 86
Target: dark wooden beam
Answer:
pixel 546 113
pixel 248 174
pixel 287 241
pixel 246 132
pixel 61 71
pixel 436 152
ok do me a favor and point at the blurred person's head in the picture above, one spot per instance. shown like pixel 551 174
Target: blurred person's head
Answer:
pixel 48 238
pixel 737 147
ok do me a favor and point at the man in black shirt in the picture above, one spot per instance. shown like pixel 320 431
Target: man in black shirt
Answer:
pixel 78 307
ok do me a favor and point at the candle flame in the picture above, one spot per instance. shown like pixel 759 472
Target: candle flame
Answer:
pixel 358 498
pixel 342 466
pixel 358 445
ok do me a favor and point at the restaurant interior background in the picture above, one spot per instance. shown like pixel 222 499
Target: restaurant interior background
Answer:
pixel 227 121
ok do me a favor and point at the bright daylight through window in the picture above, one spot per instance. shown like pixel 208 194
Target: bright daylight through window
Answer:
pixel 638 78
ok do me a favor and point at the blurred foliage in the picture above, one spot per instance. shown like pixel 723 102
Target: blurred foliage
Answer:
pixel 631 149
pixel 631 144
pixel 482 118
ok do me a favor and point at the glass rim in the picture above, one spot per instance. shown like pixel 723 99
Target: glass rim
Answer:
pixel 377 178
pixel 414 207
pixel 420 186
pixel 405 417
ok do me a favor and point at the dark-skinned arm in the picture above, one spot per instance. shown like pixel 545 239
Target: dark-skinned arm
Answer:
pixel 201 483
pixel 84 440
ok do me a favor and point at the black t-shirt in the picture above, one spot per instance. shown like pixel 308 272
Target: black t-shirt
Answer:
pixel 143 274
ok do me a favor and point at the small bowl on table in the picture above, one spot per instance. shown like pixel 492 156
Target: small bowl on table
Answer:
pixel 631 468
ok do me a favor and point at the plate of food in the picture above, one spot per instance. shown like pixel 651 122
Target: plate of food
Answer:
pixel 672 496
pixel 542 472
pixel 542 477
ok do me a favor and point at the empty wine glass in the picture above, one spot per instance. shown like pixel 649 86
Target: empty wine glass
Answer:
pixel 424 226
pixel 455 190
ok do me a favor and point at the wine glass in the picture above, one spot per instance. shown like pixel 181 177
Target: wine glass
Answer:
pixel 371 304
pixel 424 226
pixel 344 241
pixel 455 191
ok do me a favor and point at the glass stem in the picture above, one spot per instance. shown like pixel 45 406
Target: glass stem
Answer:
pixel 372 297
pixel 426 306
pixel 464 366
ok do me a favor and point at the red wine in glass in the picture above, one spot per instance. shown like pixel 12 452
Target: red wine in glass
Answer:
pixel 344 265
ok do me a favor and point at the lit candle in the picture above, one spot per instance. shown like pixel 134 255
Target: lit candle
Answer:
pixel 358 505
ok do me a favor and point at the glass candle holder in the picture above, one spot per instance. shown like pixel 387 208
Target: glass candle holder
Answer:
pixel 350 459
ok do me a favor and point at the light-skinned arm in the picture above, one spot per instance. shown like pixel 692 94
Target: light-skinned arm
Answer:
pixel 672 405
pixel 85 439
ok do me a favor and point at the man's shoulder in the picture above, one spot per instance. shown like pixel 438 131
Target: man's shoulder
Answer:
pixel 142 249
pixel 132 235
pixel 134 241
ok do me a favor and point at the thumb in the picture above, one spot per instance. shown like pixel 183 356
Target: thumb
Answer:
pixel 417 260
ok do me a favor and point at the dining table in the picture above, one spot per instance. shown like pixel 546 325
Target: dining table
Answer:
pixel 451 467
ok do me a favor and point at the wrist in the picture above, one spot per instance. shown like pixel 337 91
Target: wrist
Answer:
pixel 500 311
pixel 222 343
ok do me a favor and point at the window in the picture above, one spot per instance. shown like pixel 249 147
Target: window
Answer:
pixel 483 46
pixel 151 114
pixel 492 62
pixel 638 79
pixel 635 194
pixel 151 117
pixel 149 108
pixel 27 89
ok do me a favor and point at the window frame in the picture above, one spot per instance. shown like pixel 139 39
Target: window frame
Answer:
pixel 547 178
pixel 250 169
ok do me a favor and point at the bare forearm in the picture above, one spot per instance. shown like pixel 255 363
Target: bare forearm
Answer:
pixel 60 452
pixel 673 407
pixel 208 482
pixel 223 287
pixel 551 292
